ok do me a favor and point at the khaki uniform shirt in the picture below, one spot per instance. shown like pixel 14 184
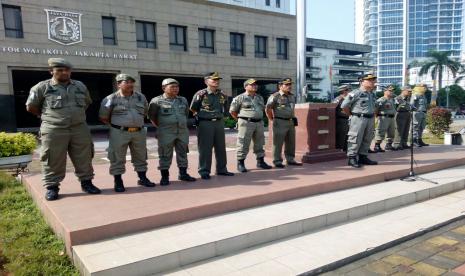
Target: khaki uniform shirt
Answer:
pixel 248 106
pixel 282 104
pixel 124 111
pixel 61 106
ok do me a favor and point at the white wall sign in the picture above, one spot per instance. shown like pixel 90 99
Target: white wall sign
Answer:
pixel 64 27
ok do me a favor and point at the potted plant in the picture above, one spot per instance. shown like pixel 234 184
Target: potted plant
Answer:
pixel 16 149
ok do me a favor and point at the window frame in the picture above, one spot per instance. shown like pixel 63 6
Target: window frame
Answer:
pixel 114 38
pixel 206 49
pixel 234 51
pixel 19 32
pixel 145 32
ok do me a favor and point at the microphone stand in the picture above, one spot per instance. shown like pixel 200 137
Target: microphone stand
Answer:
pixel 411 175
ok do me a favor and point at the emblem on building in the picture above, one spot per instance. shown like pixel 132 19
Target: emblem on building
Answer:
pixel 64 27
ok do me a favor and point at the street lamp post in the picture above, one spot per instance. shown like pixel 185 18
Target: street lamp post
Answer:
pixel 301 50
pixel 447 96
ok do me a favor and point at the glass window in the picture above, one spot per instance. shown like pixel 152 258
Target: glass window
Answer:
pixel 12 21
pixel 207 41
pixel 109 30
pixel 145 34
pixel 282 48
pixel 237 44
pixel 178 37
pixel 261 46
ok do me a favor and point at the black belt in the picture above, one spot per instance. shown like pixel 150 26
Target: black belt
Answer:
pixel 128 129
pixel 251 119
pixel 342 117
pixel 385 115
pixel 402 111
pixel 210 119
pixel 363 115
pixel 286 119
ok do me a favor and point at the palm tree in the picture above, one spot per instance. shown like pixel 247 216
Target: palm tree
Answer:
pixel 439 60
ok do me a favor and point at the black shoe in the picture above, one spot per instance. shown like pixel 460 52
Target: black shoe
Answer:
pixel 226 173
pixel 262 164
pixel 371 151
pixel 89 188
pixel 165 178
pixel 184 176
pixel 389 147
pixel 416 143
pixel 363 159
pixel 279 165
pixel 241 166
pixel 205 176
pixel 423 144
pixel 398 148
pixel 353 162
pixel 144 181
pixel 405 146
pixel 52 193
pixel 119 186
pixel 294 163
pixel 378 148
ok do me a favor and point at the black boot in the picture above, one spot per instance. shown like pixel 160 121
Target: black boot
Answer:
pixel 293 163
pixel 378 148
pixel 184 176
pixel 119 186
pixel 416 142
pixel 398 147
pixel 353 162
pixel 241 166
pixel 89 188
pixel 262 164
pixel 389 147
pixel 52 193
pixel 423 144
pixel 144 181
pixel 405 146
pixel 363 159
pixel 165 178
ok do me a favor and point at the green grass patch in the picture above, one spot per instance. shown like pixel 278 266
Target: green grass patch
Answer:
pixel 432 139
pixel 27 244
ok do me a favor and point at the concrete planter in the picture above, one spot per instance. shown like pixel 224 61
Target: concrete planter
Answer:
pixel 15 161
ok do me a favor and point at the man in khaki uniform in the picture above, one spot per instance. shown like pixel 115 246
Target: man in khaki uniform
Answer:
pixel 342 120
pixel 403 108
pixel 124 111
pixel 360 106
pixel 280 111
pixel 209 106
pixel 61 104
pixel 168 112
pixel 385 112
pixel 247 108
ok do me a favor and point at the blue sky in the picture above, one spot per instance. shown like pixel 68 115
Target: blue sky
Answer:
pixel 330 19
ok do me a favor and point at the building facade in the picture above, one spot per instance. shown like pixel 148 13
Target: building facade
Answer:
pixel 401 31
pixel 149 39
pixel 332 63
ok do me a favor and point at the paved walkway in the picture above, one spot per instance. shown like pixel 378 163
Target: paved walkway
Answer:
pixel 441 252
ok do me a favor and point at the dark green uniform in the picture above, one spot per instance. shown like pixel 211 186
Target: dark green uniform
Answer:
pixel 402 121
pixel 172 132
pixel 126 115
pixel 249 124
pixel 63 129
pixel 283 126
pixel 210 107
pixel 342 124
pixel 419 115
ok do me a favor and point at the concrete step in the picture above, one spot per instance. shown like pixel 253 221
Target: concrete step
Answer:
pixel 179 245
pixel 321 251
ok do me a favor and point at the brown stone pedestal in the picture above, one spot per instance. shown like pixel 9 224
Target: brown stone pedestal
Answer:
pixel 315 134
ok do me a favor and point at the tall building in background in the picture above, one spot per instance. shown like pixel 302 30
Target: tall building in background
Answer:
pixel 404 30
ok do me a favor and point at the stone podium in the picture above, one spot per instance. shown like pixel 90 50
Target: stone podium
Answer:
pixel 315 134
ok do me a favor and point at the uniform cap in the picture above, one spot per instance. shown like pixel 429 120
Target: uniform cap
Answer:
pixel 286 81
pixel 249 81
pixel 406 87
pixel 344 87
pixel 124 77
pixel 213 76
pixel 367 76
pixel 59 62
pixel 169 81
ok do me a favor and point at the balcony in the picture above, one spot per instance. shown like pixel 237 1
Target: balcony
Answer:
pixel 313 54
pixel 352 58
pixel 345 77
pixel 313 80
pixel 352 67
pixel 313 70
